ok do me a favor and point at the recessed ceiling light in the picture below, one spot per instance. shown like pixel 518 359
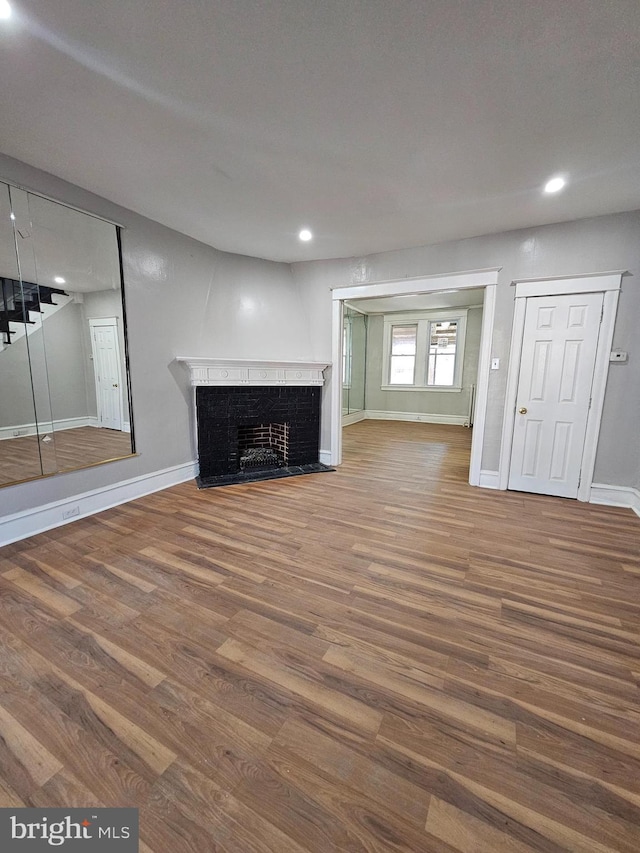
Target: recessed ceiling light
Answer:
pixel 59 280
pixel 305 235
pixel 5 10
pixel 554 185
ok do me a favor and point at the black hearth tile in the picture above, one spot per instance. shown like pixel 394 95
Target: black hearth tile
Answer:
pixel 210 482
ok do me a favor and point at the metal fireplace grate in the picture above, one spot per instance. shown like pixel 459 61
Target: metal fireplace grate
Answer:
pixel 260 457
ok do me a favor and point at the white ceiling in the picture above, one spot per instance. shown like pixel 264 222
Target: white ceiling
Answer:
pixel 419 301
pixel 379 124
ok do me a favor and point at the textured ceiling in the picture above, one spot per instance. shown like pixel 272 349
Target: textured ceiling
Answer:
pixel 380 125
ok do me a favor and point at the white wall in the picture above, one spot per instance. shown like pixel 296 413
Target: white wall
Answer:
pixel 182 298
pixel 591 245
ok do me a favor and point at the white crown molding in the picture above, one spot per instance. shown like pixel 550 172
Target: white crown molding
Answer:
pixel 429 283
pixel 236 371
pixel 569 284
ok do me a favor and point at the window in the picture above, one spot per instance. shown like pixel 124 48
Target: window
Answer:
pixel 403 355
pixel 443 339
pixel 424 350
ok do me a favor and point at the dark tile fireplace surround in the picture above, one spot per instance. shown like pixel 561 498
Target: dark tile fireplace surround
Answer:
pixel 257 433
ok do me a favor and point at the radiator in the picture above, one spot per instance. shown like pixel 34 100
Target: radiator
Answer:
pixel 472 402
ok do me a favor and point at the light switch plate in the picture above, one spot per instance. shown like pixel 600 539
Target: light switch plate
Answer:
pixel 495 364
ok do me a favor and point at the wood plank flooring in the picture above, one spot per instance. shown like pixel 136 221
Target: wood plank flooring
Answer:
pixel 377 659
pixel 27 457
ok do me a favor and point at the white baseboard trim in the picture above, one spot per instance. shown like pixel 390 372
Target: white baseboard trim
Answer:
pixel 74 423
pixel 45 426
pixel 456 420
pixel 353 418
pixel 20 525
pixel 325 457
pixel 489 479
pixel 625 496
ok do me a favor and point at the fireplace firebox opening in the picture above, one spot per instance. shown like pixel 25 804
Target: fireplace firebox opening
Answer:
pixel 263 446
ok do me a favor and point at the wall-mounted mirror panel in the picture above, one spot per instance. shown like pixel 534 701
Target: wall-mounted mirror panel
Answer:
pixel 18 460
pixel 26 305
pixel 64 383
pixel 354 359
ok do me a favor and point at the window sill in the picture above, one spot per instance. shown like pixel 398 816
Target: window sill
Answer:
pixel 441 389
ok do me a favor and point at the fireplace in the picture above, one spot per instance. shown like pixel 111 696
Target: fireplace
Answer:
pixel 256 420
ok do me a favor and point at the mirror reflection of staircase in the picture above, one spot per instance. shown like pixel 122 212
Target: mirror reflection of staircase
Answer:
pixel 19 300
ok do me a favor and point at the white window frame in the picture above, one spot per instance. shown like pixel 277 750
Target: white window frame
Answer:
pixel 422 319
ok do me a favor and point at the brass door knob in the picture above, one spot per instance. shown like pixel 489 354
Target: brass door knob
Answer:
pixel 522 411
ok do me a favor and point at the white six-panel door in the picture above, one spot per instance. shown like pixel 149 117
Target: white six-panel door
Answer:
pixel 554 390
pixel 106 364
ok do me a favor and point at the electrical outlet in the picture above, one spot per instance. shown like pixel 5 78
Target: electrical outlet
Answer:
pixel 618 355
pixel 71 512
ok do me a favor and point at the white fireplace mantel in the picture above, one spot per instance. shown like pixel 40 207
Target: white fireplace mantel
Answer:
pixel 240 371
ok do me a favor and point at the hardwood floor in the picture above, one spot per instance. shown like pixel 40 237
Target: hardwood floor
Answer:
pixel 26 457
pixel 377 659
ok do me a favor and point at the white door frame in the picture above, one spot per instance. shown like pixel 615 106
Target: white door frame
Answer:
pixel 107 321
pixel 609 284
pixel 486 278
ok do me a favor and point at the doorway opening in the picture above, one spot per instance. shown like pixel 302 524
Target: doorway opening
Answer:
pixel 105 351
pixel 433 290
